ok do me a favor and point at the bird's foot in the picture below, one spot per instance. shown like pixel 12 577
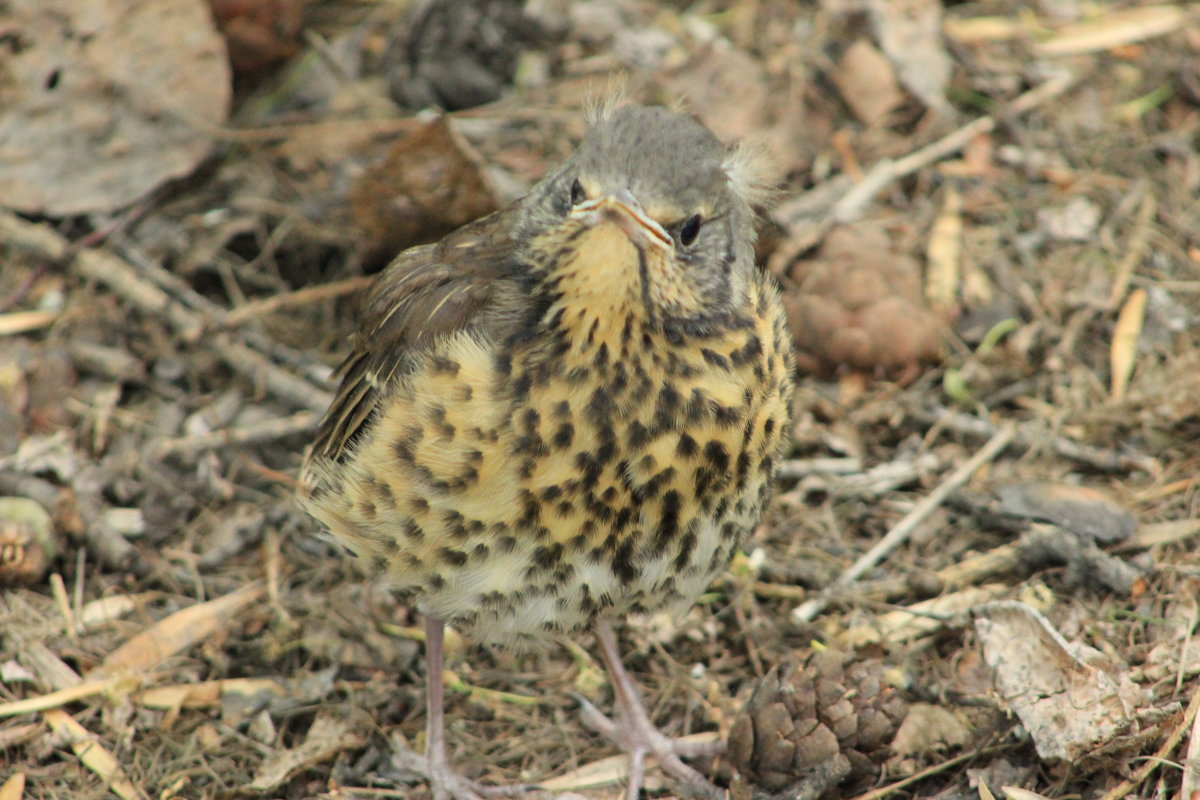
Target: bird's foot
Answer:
pixel 447 784
pixel 637 737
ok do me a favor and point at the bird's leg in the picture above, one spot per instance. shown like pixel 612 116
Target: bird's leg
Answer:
pixel 633 731
pixel 444 782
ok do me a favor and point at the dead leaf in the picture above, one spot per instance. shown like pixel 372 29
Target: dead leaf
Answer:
pixel 1123 353
pixel 176 633
pixel 430 182
pixel 1068 696
pixel 929 728
pixel 325 739
pixel 1083 510
pixel 867 83
pixel 910 34
pixel 105 100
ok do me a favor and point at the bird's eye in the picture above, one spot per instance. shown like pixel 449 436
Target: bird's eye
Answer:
pixel 690 230
pixel 578 195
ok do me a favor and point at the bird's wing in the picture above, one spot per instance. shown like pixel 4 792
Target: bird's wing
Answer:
pixel 425 295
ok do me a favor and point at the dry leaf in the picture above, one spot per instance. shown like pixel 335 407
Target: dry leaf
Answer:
pixel 1069 698
pixel 910 33
pixel 105 100
pixel 430 182
pixel 1123 353
pixel 94 755
pixel 325 738
pixel 929 728
pixel 176 633
pixel 867 83
pixel 919 619
pixel 1082 510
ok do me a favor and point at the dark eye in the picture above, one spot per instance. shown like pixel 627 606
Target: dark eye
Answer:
pixel 690 230
pixel 578 195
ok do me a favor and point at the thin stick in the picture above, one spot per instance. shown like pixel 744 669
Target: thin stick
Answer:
pixel 252 434
pixel 805 612
pixel 850 206
pixel 884 791
pixel 1098 457
pixel 123 279
pixel 300 297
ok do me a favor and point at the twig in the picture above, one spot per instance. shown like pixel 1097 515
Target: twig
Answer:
pixel 849 204
pixel 796 468
pixel 300 297
pixel 1097 457
pixel 122 278
pixel 904 528
pixel 884 791
pixel 259 432
pixel 1125 788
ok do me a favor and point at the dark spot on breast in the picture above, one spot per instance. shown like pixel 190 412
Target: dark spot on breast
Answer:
pixel 687 545
pixel 668 525
pixel 562 410
pixel 686 447
pixel 622 561
pixel 716 454
pixel 455 558
pixel 563 436
pixel 715 359
pixel 506 544
pixel 600 405
pixel 412 530
pixel 479 552
pixel 637 434
pixel 548 556
pixel 727 416
pixel 444 366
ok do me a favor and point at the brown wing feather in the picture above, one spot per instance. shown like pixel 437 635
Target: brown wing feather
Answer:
pixel 425 294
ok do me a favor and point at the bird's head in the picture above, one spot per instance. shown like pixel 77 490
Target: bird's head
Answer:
pixel 652 216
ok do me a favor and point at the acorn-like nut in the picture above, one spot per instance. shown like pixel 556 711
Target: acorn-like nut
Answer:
pixel 27 541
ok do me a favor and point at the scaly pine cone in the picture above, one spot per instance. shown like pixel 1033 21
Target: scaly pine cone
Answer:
pixel 809 727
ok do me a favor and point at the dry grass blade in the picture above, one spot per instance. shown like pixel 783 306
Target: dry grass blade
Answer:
pixel 1123 352
pixel 61 697
pixel 177 632
pixel 14 787
pixel 944 254
pixel 94 756
pixel 26 321
pixel 1113 29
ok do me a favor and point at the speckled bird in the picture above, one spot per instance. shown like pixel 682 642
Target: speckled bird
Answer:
pixel 566 412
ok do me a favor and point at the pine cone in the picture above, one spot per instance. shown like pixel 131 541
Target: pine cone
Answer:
pixel 859 306
pixel 809 727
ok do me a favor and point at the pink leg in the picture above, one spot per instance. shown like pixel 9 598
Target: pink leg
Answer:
pixel 444 782
pixel 633 731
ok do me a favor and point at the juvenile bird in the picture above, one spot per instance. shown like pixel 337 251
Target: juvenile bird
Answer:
pixel 566 412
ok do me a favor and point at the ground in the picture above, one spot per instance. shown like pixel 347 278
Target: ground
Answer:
pixel 988 232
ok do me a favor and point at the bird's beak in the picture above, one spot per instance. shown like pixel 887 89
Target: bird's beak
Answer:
pixel 622 209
